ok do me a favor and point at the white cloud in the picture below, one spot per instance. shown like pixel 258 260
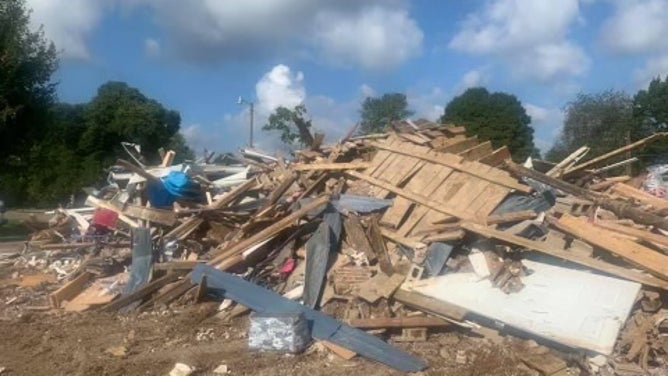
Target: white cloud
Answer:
pixel 280 87
pixel 546 122
pixel 68 23
pixel 377 38
pixel 521 31
pixel 151 47
pixel 367 91
pixel 374 34
pixel 473 78
pixel 657 66
pixel 428 105
pixel 637 26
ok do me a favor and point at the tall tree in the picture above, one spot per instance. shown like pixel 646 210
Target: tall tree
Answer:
pixel 122 113
pixel 27 61
pixel 602 121
pixel 293 125
pixel 650 113
pixel 497 117
pixel 376 112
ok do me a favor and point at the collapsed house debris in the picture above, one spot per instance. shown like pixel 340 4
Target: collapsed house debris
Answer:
pixel 396 234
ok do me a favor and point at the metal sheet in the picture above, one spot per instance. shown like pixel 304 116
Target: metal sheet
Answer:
pixel 322 326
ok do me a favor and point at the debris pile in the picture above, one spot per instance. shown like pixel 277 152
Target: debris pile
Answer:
pixel 388 236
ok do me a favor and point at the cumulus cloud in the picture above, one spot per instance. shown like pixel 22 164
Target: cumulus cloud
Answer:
pixel 68 23
pixel 654 67
pixel 522 31
pixel 637 26
pixel 378 37
pixel 151 47
pixel 280 87
pixel 547 123
pixel 373 34
pixel 427 104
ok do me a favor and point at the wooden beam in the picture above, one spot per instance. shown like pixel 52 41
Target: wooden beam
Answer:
pixel 568 161
pixel 176 265
pixel 510 217
pixel 429 304
pixel 477 152
pixel 379 247
pixel 444 237
pixel 143 292
pixel 614 153
pixel 432 204
pixel 399 322
pixel 609 182
pixel 497 157
pixel 410 243
pixel 632 231
pixel 330 166
pixel 84 245
pixel 508 183
pixel 459 146
pixel 70 290
pixel 620 208
pixel 357 238
pixel 161 216
pixel 636 194
pixel 602 266
pixel 236 248
pixel 630 251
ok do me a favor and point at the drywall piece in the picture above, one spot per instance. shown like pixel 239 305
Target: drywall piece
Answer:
pixel 571 307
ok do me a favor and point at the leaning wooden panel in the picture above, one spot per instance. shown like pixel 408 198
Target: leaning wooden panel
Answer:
pixel 635 253
pixel 477 152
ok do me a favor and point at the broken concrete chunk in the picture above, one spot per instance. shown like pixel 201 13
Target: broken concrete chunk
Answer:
pixel 181 369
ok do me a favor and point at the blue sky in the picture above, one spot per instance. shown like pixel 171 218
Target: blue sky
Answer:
pixel 198 56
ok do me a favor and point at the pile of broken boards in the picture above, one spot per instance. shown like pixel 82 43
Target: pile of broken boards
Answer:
pixel 400 234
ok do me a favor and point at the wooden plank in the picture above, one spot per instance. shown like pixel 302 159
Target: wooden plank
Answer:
pixel 419 211
pixel 636 233
pixel 398 322
pixel 176 265
pixel 415 138
pixel 568 161
pixel 511 217
pixel 161 216
pixel 379 286
pixel 614 153
pixel 339 350
pixel 394 215
pixel 70 290
pixel 608 182
pixel 602 266
pixel 379 247
pixel 632 252
pixel 477 152
pixel 460 146
pixel 430 305
pixel 444 237
pixel 454 130
pixel 493 196
pixel 432 204
pixel 447 161
pixel 357 238
pixel 330 166
pixel 413 243
pixel 636 194
pixel 497 157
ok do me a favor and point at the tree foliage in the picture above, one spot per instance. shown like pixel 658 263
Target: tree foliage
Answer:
pixel 650 114
pixel 602 121
pixel 293 125
pixel 497 117
pixel 376 112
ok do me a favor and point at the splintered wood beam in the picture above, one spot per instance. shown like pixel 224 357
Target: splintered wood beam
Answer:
pixel 508 182
pixel 634 232
pixel 587 261
pixel 429 304
pixel 399 322
pixel 630 251
pixel 636 194
pixel 620 208
pixel 614 153
pixel 236 248
pixel 330 166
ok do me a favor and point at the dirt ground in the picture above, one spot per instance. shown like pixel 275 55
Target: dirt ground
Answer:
pixel 151 343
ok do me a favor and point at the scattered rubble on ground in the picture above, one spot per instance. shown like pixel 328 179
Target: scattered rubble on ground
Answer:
pixel 421 248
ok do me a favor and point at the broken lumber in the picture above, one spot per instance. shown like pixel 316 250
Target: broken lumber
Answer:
pixel 70 290
pixel 508 183
pixel 330 166
pixel 429 305
pixel 620 208
pixel 398 322
pixel 630 251
pixel 643 197
pixel 632 231
pixel 613 153
pixel 593 263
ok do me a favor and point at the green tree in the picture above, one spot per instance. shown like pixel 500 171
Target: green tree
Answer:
pixel 120 113
pixel 602 121
pixel 293 125
pixel 650 114
pixel 377 113
pixel 497 117
pixel 27 61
